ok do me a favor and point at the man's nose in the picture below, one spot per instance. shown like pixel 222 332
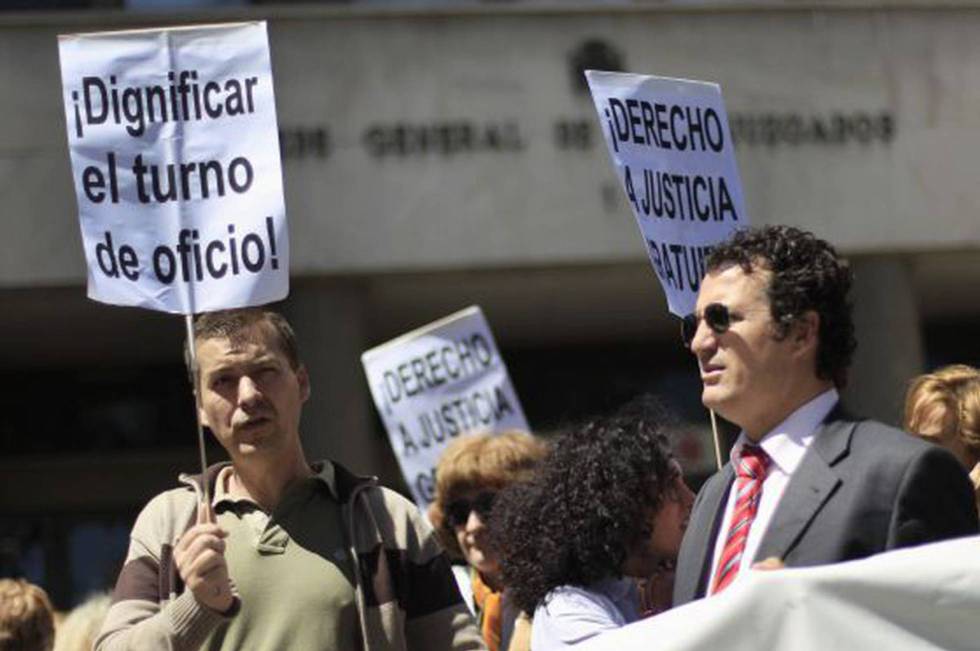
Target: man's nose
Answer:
pixel 686 494
pixel 704 339
pixel 248 391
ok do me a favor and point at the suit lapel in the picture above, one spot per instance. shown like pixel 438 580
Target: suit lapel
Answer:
pixel 809 489
pixel 694 561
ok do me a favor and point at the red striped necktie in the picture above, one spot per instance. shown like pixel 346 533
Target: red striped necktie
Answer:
pixel 750 468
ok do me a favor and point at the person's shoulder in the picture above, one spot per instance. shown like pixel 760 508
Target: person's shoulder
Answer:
pixel 886 439
pixel 381 500
pixel 570 598
pixel 877 448
pixel 570 614
pixel 392 504
pixel 398 520
pixel 166 515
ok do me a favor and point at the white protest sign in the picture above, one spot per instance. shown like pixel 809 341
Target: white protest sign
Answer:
pixel 435 383
pixel 672 149
pixel 175 154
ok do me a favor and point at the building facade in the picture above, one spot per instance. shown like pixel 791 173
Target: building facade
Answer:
pixel 440 157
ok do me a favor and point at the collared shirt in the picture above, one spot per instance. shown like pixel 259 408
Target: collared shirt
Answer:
pixel 253 515
pixel 292 568
pixel 323 471
pixel 571 614
pixel 785 444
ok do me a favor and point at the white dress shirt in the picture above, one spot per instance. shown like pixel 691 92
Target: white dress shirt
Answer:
pixel 571 614
pixel 785 444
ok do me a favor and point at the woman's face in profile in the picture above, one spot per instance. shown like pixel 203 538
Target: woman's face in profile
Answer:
pixel 666 530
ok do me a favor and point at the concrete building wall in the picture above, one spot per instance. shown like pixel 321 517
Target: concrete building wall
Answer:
pixel 434 159
pixel 426 141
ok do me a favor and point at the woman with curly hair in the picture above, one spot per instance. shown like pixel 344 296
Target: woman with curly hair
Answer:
pixel 470 473
pixel 608 506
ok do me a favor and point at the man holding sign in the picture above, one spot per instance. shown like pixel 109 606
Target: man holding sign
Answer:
pixel 773 336
pixel 175 154
pixel 287 555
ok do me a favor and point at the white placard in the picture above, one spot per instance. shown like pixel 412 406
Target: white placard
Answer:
pixel 672 149
pixel 175 156
pixel 435 383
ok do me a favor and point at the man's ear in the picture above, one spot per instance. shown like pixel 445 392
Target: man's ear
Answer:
pixel 805 332
pixel 304 383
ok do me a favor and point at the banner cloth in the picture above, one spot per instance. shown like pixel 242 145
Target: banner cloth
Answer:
pixel 926 597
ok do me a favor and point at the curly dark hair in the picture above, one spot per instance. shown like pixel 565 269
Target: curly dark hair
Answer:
pixel 586 507
pixel 807 274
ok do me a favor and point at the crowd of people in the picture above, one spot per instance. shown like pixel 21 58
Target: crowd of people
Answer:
pixel 557 541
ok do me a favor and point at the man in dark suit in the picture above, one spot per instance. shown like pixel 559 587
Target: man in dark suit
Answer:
pixel 806 483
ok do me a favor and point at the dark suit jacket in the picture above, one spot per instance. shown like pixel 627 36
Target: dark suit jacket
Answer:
pixel 861 488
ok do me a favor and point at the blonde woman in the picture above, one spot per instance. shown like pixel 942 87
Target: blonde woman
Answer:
pixel 944 407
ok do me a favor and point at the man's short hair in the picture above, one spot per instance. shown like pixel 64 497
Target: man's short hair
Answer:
pixel 233 325
pixel 807 275
pixel 26 617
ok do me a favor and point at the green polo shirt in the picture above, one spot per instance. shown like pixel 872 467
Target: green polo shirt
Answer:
pixel 292 569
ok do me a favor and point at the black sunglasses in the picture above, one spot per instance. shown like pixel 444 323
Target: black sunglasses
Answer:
pixel 458 511
pixel 715 315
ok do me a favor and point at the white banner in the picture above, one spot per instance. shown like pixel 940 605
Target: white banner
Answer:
pixel 435 383
pixel 672 149
pixel 175 156
pixel 907 600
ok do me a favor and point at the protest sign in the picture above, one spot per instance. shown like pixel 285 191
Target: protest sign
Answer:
pixel 435 383
pixel 175 155
pixel 672 149
pixel 911 599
